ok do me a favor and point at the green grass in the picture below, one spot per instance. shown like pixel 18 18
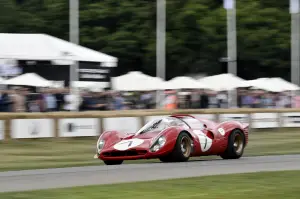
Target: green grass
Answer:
pixel 49 153
pixel 267 185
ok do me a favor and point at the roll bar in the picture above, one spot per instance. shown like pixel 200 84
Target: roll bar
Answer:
pixel 182 115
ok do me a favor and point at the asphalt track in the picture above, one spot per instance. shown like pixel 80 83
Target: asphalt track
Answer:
pixel 92 175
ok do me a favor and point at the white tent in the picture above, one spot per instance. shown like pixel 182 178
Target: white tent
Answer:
pixel 184 83
pixel 46 47
pixel 223 82
pixel 136 81
pixel 255 83
pixel 29 79
pixel 284 85
pixel 272 84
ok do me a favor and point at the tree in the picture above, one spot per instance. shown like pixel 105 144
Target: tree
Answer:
pixel 264 40
pixel 9 16
pixel 196 32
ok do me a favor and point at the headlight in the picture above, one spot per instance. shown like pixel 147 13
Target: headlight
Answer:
pixel 158 144
pixel 100 145
pixel 155 148
pixel 161 141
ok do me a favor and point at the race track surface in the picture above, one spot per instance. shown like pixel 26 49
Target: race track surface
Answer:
pixel 80 176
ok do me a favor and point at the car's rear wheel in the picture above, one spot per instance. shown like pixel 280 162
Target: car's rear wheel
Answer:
pixel 236 145
pixel 182 149
pixel 113 162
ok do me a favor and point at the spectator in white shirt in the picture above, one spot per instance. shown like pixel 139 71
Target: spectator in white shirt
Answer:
pixel 71 100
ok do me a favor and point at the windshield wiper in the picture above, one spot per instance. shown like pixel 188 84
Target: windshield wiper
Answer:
pixel 154 125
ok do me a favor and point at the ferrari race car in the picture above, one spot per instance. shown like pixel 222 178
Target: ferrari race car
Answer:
pixel 174 138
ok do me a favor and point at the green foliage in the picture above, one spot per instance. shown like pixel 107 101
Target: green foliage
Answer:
pixel 196 32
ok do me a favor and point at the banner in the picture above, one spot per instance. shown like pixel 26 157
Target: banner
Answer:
pixel 243 118
pixel 74 127
pixel 87 71
pixel 93 72
pixel 264 120
pixel 290 119
pixel 32 128
pixel 122 124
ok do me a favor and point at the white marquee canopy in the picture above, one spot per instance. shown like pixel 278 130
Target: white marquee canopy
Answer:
pixel 184 83
pixel 46 47
pixel 136 81
pixel 29 79
pixel 223 82
pixel 272 84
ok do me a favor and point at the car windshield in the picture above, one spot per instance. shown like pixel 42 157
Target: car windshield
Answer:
pixel 161 124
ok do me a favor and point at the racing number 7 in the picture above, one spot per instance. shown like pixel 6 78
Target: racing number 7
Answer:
pixel 129 144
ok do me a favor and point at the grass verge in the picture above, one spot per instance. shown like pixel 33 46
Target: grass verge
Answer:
pixel 50 153
pixel 267 185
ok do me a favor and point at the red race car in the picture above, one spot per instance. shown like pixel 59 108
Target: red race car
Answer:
pixel 175 138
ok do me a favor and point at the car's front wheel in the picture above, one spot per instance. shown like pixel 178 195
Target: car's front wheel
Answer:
pixel 182 149
pixel 113 162
pixel 167 158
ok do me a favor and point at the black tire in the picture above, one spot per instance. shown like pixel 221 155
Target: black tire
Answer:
pixel 113 162
pixel 178 154
pixel 236 145
pixel 167 158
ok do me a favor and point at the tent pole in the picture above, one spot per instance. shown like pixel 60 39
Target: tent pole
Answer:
pixel 160 44
pixel 295 39
pixel 231 46
pixel 74 38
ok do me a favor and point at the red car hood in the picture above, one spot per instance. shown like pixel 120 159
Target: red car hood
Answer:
pixel 143 141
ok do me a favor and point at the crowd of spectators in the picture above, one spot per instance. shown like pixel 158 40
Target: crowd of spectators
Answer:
pixel 245 99
pixel 20 99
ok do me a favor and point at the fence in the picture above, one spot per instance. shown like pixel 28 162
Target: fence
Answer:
pixel 81 124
